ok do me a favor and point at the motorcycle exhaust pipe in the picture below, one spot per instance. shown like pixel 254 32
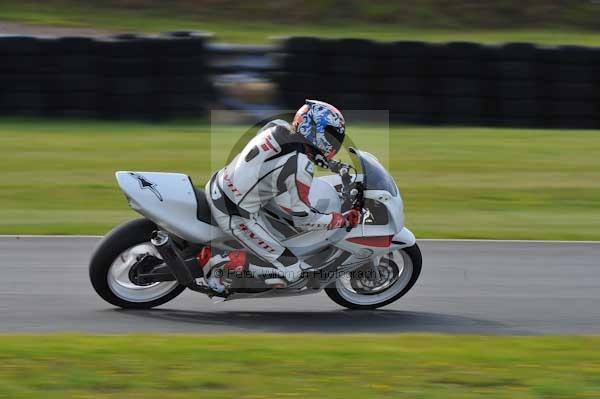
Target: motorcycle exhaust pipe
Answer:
pixel 175 262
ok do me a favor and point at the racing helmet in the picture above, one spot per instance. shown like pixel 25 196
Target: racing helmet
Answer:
pixel 322 125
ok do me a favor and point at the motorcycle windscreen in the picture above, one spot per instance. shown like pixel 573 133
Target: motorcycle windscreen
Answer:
pixel 376 177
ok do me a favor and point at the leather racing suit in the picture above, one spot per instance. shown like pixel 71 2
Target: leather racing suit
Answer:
pixel 275 161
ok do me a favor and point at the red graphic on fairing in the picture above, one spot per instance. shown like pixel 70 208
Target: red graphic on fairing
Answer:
pixel 377 241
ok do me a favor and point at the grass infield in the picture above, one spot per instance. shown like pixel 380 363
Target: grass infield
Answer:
pixel 58 177
pixel 327 366
pixel 239 22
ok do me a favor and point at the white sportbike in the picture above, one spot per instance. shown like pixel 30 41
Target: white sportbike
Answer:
pixel 149 261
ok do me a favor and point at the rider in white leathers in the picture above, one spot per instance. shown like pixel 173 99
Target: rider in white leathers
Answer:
pixel 279 159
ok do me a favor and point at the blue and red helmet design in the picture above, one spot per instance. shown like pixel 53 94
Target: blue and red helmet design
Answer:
pixel 322 125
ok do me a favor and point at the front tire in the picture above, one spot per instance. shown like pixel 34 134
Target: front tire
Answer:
pixel 112 259
pixel 348 291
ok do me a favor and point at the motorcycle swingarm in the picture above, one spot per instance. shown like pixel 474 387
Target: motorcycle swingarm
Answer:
pixel 150 269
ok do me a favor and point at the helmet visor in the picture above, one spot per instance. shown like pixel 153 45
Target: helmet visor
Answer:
pixel 335 136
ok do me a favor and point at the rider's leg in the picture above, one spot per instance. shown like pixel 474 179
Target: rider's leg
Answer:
pixel 220 267
pixel 254 235
pixel 281 268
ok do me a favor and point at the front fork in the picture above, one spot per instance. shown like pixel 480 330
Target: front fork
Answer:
pixel 375 267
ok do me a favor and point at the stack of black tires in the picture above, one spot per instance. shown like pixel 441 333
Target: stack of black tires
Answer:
pixel 22 75
pixel 125 77
pixel 515 84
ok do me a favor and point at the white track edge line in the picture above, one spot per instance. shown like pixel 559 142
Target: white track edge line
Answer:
pixel 482 240
pixel 47 236
pixel 508 240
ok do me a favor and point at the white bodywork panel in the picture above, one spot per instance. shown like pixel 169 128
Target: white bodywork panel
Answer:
pixel 167 199
pixel 325 199
pixel 405 238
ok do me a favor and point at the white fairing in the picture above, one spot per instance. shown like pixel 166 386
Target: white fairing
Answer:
pixel 325 199
pixel 167 199
pixel 405 238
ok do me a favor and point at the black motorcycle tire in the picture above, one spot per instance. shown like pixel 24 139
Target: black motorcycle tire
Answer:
pixel 415 255
pixel 117 241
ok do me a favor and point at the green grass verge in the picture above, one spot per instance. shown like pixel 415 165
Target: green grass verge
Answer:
pixel 316 366
pixel 241 24
pixel 58 177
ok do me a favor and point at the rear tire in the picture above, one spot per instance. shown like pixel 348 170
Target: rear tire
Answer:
pixel 413 253
pixel 113 245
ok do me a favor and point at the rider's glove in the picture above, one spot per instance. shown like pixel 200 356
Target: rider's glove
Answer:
pixel 348 219
pixel 337 221
pixel 352 217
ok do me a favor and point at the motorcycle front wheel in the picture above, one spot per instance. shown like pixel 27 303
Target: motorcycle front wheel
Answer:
pixel 372 287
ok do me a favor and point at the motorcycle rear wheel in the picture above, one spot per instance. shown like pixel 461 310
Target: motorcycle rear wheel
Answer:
pixel 112 260
pixel 397 272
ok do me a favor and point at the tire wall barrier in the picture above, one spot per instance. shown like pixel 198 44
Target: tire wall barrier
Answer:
pixel 514 84
pixel 125 77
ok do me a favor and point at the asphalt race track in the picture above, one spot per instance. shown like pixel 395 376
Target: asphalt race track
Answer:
pixel 491 287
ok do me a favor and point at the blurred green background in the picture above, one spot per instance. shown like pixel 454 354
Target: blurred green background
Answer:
pixel 542 21
pixel 58 176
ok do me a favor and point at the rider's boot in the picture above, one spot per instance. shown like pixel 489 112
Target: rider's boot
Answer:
pixel 218 266
pixel 279 277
